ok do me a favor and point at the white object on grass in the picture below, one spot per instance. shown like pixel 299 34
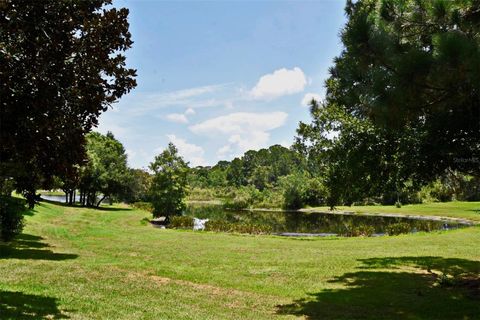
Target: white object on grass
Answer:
pixel 199 224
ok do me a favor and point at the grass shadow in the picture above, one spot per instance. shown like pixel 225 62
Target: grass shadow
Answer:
pixel 77 205
pixel 18 305
pixel 59 203
pixel 112 209
pixel 30 247
pixel 474 210
pixel 413 290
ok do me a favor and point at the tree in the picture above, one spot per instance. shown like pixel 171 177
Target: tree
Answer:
pixel 61 66
pixel 136 186
pixel 106 173
pixel 357 159
pixel 402 103
pixel 169 183
pixel 413 66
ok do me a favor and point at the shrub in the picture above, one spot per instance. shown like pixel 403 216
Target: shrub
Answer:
pixel 201 194
pixel 362 230
pixel 244 197
pixel 240 227
pixel 397 228
pixel 251 228
pixel 294 188
pixel 270 198
pixel 11 217
pixel 181 222
pixel 218 225
pixel 315 193
pixel 147 206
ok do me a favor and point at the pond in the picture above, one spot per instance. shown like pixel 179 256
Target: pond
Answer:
pixel 292 223
pixel 61 198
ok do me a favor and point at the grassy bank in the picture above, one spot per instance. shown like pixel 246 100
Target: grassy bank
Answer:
pixel 454 209
pixel 111 264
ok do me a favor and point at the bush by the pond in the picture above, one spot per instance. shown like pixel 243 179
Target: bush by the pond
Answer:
pixel 362 230
pixel 202 194
pixel 397 228
pixel 11 217
pixel 147 206
pixel 243 198
pixel 240 227
pixel 181 222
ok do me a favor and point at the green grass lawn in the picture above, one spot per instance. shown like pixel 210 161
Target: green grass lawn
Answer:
pixel 454 209
pixel 111 264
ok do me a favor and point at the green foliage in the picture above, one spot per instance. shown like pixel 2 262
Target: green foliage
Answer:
pixel 238 227
pixel 62 65
pixel 294 189
pixel 11 217
pixel 452 186
pixel 168 188
pixel 202 194
pixel 362 230
pixel 106 171
pixel 261 169
pixel 135 186
pixel 270 199
pixel 397 228
pixel 181 222
pixel 401 60
pixel 146 206
pixel 243 198
pixel 390 121
pixel 440 191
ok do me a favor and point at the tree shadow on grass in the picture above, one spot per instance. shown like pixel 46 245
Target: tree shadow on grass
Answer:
pixel 77 205
pixel 417 288
pixel 17 305
pixel 112 209
pixel 26 246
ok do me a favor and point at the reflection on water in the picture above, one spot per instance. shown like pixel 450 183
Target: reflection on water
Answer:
pixel 61 199
pixel 58 198
pixel 315 222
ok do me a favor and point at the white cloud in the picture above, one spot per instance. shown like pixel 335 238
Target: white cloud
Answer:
pixel 224 151
pixel 286 143
pixel 191 152
pixel 307 98
pixel 279 83
pixel 177 118
pixel 189 111
pixel 245 130
pixel 141 103
pixel 240 122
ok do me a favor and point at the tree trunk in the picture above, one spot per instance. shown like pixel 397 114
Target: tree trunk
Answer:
pixel 98 203
pixel 30 196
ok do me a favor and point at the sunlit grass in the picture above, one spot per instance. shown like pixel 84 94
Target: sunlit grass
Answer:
pixel 109 264
pixel 454 209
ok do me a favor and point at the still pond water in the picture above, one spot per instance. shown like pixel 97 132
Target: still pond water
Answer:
pixel 317 223
pixel 314 223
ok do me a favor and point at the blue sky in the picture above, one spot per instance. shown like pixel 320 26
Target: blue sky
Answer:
pixel 219 78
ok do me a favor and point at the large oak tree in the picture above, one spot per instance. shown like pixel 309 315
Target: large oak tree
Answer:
pixel 61 66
